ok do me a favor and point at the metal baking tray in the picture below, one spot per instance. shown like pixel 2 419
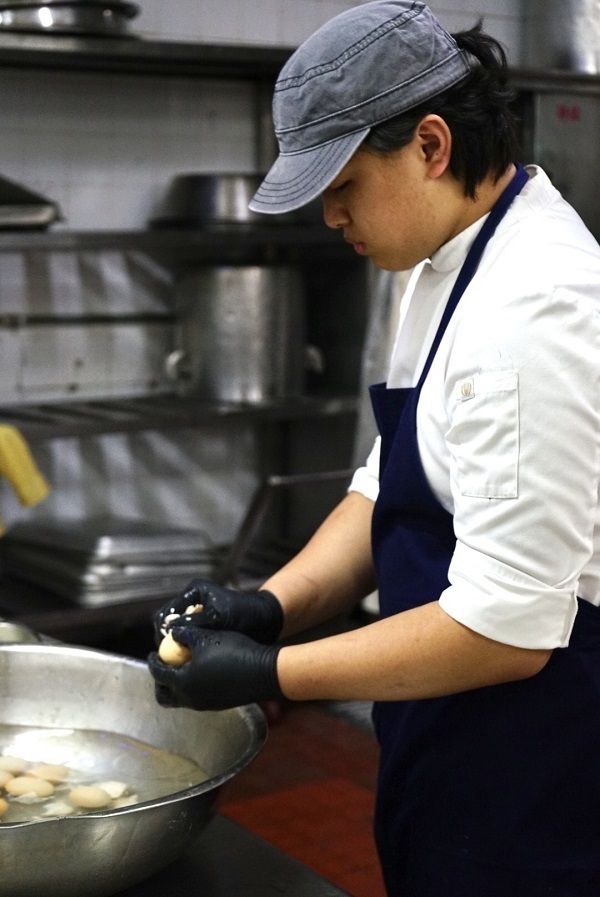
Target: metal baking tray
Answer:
pixel 107 560
pixel 110 539
pixel 104 576
pixel 96 587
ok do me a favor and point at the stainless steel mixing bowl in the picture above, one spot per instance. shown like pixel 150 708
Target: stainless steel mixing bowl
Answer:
pixel 104 852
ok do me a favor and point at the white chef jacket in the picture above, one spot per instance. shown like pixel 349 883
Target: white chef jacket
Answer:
pixel 508 421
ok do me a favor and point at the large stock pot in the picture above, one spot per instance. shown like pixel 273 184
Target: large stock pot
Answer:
pixel 79 689
pixel 562 34
pixel 240 333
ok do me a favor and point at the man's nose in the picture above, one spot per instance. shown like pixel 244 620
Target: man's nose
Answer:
pixel 334 212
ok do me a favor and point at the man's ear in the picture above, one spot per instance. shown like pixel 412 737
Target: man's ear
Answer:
pixel 435 143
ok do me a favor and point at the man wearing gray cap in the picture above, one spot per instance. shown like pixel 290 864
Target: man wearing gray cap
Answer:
pixel 476 515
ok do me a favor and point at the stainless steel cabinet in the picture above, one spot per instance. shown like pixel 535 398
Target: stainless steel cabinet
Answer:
pixel 560 125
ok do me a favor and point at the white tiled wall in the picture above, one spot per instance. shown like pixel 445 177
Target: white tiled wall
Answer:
pixel 105 146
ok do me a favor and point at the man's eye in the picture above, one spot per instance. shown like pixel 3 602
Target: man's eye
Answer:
pixel 341 186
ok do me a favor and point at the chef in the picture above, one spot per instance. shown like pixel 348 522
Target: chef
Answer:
pixel 476 515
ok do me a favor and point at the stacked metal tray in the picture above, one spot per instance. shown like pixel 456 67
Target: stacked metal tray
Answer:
pixel 107 560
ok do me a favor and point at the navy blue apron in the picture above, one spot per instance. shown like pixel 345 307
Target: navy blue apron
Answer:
pixel 493 792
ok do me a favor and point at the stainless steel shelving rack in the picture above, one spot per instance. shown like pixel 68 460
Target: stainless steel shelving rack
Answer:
pixel 175 249
pixel 537 81
pixel 138 56
pixel 96 416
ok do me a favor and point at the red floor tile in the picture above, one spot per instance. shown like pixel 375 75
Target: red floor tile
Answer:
pixel 324 824
pixel 310 792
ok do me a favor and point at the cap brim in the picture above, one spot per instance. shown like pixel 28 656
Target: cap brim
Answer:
pixel 295 179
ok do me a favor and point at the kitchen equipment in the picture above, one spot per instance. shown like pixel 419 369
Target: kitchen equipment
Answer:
pixel 562 34
pixel 106 560
pixel 22 208
pixel 79 17
pixel 72 689
pixel 111 539
pixel 235 561
pixel 240 334
pixel 198 200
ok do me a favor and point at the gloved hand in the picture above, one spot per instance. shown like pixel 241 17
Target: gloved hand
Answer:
pixel 227 669
pixel 257 614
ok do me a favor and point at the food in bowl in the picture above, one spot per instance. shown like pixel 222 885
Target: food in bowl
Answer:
pixel 36 790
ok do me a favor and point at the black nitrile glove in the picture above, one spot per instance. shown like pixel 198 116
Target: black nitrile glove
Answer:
pixel 257 614
pixel 227 669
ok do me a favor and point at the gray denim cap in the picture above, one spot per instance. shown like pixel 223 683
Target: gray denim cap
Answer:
pixel 364 66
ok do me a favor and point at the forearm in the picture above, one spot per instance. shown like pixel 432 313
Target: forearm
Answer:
pixel 334 570
pixel 420 653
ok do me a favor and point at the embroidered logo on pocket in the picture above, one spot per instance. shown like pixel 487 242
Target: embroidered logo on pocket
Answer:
pixel 466 389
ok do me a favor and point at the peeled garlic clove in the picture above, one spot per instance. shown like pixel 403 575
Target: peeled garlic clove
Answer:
pixel 51 772
pixel 25 786
pixel 172 653
pixel 13 764
pixel 4 805
pixel 58 808
pixel 170 618
pixel 193 609
pixel 89 796
pixel 5 777
pixel 113 789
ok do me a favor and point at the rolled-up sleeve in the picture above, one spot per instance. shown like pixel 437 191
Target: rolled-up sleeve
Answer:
pixel 366 479
pixel 506 604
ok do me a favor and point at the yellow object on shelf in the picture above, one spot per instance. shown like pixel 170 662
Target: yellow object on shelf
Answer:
pixel 18 466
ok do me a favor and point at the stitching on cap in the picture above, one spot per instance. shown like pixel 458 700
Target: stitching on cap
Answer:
pixel 316 167
pixel 349 52
pixel 285 192
pixel 370 100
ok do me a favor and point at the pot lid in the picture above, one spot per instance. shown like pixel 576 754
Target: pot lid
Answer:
pixel 21 207
pixel 12 193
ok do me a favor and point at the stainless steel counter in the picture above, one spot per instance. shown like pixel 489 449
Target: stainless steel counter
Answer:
pixel 229 861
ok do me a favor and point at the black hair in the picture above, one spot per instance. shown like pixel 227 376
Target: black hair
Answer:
pixel 477 111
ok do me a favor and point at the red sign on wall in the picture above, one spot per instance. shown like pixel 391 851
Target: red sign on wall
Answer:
pixel 567 112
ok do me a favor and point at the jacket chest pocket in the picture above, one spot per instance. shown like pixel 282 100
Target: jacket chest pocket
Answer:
pixel 483 438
